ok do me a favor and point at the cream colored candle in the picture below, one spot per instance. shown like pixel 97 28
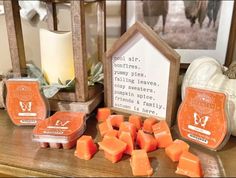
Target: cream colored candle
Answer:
pixel 56 56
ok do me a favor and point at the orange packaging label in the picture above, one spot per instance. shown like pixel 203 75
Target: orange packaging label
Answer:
pixel 202 117
pixel 25 104
pixel 61 124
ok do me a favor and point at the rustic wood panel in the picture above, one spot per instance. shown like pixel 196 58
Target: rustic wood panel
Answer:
pixel 87 107
pixel 79 49
pixel 107 63
pixel 2 94
pixel 57 1
pixel 10 171
pixel 15 36
pixel 232 39
pixel 101 28
pixel 123 17
pixel 172 107
pixel 51 15
pixel 71 96
pixel 184 66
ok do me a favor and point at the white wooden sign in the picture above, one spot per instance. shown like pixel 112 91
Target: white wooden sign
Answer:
pixel 140 78
pixel 138 73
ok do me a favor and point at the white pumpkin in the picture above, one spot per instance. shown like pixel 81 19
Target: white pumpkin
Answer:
pixel 207 73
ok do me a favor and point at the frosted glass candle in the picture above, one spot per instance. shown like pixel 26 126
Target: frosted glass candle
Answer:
pixel 56 56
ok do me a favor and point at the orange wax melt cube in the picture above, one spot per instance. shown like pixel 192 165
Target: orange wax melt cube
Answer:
pixel 104 127
pixel 136 120
pixel 103 114
pixel 146 141
pixel 175 150
pixel 140 163
pixel 113 148
pixel 85 147
pixel 128 127
pixel 127 138
pixel 148 123
pixel 115 120
pixel 111 133
pixel 189 165
pixel 162 134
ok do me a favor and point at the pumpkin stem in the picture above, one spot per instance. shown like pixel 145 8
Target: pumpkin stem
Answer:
pixel 231 72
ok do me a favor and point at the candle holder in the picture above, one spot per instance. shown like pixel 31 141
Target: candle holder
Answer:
pixel 85 98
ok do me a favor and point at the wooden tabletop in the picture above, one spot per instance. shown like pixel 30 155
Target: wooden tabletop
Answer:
pixel 19 156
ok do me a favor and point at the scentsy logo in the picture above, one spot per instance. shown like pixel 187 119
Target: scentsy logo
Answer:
pixel 203 103
pixel 25 106
pixel 61 123
pixel 202 121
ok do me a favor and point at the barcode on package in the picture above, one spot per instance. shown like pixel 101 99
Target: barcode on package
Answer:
pixel 194 137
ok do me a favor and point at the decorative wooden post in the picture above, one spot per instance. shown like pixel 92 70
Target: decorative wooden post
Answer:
pixel 51 15
pixel 85 98
pixel 79 48
pixel 15 37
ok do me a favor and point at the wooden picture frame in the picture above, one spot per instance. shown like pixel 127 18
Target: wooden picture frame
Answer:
pixel 222 48
pixel 85 98
pixel 159 45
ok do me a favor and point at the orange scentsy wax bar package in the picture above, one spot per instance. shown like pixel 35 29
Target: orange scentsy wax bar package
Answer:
pixel 189 165
pixel 136 120
pixel 175 150
pixel 115 120
pixel 113 148
pixel 148 123
pixel 85 147
pixel 128 127
pixel 202 118
pixel 25 103
pixel 146 141
pixel 102 114
pixel 162 134
pixel 140 163
pixel 60 130
pixel 127 138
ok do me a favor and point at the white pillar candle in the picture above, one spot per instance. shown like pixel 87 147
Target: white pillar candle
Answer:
pixel 56 56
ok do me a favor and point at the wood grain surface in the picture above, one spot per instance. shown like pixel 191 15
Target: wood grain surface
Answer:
pixel 19 156
pixel 87 107
pixel 79 49
pixel 15 36
pixel 51 15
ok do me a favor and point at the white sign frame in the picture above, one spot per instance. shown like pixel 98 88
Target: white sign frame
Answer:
pixel 125 44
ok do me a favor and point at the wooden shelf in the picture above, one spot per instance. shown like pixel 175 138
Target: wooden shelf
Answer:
pixel 22 157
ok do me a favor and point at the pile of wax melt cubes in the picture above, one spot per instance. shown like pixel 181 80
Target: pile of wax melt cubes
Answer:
pixel 136 138
pixel 60 130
